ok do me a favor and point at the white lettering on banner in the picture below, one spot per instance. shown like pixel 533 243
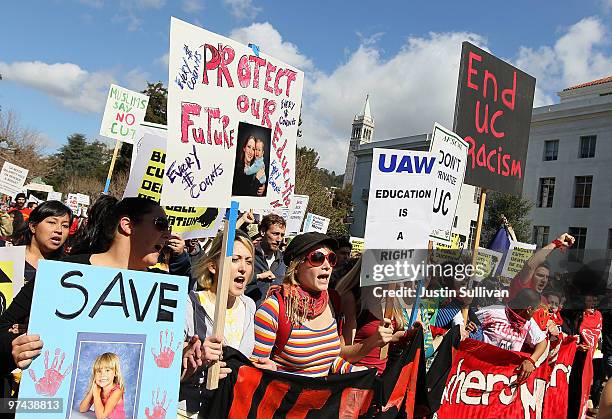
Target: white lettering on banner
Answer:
pixel 400 201
pixel 451 159
pixel 476 387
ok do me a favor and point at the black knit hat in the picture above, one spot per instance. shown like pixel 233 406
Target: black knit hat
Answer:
pixel 304 242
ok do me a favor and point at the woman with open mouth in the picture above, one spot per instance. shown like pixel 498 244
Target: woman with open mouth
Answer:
pixel 238 331
pixel 297 325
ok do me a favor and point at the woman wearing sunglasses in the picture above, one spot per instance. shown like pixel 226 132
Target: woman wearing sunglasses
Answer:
pixel 127 234
pixel 297 326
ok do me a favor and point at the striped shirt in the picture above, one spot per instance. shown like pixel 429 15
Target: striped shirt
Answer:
pixel 309 352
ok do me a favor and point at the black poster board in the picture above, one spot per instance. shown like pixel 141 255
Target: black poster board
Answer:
pixel 493 114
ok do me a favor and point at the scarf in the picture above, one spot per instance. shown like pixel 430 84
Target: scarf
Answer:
pixel 516 321
pixel 301 304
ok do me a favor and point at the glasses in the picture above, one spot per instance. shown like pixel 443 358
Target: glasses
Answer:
pixel 317 258
pixel 161 223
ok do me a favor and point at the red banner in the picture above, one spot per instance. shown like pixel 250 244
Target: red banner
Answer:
pixel 482 384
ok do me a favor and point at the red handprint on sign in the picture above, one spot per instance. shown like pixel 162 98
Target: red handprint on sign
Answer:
pixel 53 377
pixel 159 411
pixel 166 353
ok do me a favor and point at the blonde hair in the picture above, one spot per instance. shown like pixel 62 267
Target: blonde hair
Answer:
pixel 108 360
pixel 351 280
pixel 201 269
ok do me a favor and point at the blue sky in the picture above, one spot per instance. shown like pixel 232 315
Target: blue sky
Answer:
pixel 57 57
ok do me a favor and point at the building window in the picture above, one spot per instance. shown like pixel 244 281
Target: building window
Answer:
pixel 546 192
pixel 477 191
pixel 551 149
pixel 540 235
pixel 472 234
pixel 582 191
pixel 587 146
pixel 577 250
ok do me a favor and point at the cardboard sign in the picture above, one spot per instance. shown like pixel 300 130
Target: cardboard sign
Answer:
pixel 299 203
pixel 146 179
pixel 379 266
pixel 232 123
pixel 399 204
pixel 488 261
pixel 12 263
pixel 146 128
pixel 133 318
pixel 315 222
pixel 54 196
pixel 124 112
pixel 12 179
pixel 357 244
pixel 518 254
pixel 82 199
pixel 451 155
pixel 449 252
pixel 493 114
pixel 72 201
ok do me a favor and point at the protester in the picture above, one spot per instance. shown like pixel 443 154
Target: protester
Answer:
pixel 6 225
pixel 239 328
pixel 511 326
pixel 344 264
pixel 296 326
pixel 32 205
pixel 20 205
pixel 243 184
pixel 269 266
pixel 536 271
pixel 19 224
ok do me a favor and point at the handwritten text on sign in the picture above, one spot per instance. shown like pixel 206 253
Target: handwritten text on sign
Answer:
pixel 124 112
pixel 399 204
pixel 216 83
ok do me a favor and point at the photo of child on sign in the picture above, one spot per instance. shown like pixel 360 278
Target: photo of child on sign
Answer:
pixel 252 160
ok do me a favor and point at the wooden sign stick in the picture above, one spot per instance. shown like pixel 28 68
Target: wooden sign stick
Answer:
pixel 223 283
pixel 112 166
pixel 387 315
pixel 481 207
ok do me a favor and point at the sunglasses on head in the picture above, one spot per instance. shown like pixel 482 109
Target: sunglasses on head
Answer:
pixel 161 223
pixel 317 258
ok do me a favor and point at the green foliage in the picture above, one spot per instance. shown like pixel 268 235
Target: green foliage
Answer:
pixel 158 103
pixel 516 210
pixel 325 200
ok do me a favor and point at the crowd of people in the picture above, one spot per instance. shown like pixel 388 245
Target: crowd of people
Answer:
pixel 293 306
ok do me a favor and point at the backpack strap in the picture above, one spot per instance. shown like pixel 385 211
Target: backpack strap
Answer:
pixel 336 304
pixel 284 328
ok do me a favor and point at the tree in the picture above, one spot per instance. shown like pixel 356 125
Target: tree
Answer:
pixel 324 200
pixel 516 210
pixel 158 103
pixel 22 146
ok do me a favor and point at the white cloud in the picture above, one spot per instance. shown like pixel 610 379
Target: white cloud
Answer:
pixel 192 6
pixel 271 42
pixel 136 79
pixel 74 87
pixel 163 60
pixel 242 9
pixel 574 58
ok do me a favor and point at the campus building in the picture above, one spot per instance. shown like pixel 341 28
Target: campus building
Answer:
pixel 361 134
pixel 568 172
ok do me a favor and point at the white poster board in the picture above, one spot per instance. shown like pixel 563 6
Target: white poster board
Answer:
pixel 72 202
pixel 449 169
pixel 224 107
pixel 147 128
pixel 518 254
pixel 315 222
pixel 12 179
pixel 399 203
pixel 487 261
pixel 54 196
pixel 82 199
pixel 296 214
pixel 124 112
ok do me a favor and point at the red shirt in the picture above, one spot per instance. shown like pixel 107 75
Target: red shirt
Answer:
pixel 590 328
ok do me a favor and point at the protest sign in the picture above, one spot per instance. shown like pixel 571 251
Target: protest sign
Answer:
pixel 356 245
pixel 72 202
pixel 124 112
pixel 449 252
pixel 488 261
pixel 449 169
pixel 54 196
pixel 82 199
pixel 146 179
pixel 400 199
pixel 316 222
pixel 132 318
pixel 380 266
pixel 518 254
pixel 232 123
pixel 12 179
pixel 493 114
pixel 32 198
pixel 299 203
pixel 12 263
